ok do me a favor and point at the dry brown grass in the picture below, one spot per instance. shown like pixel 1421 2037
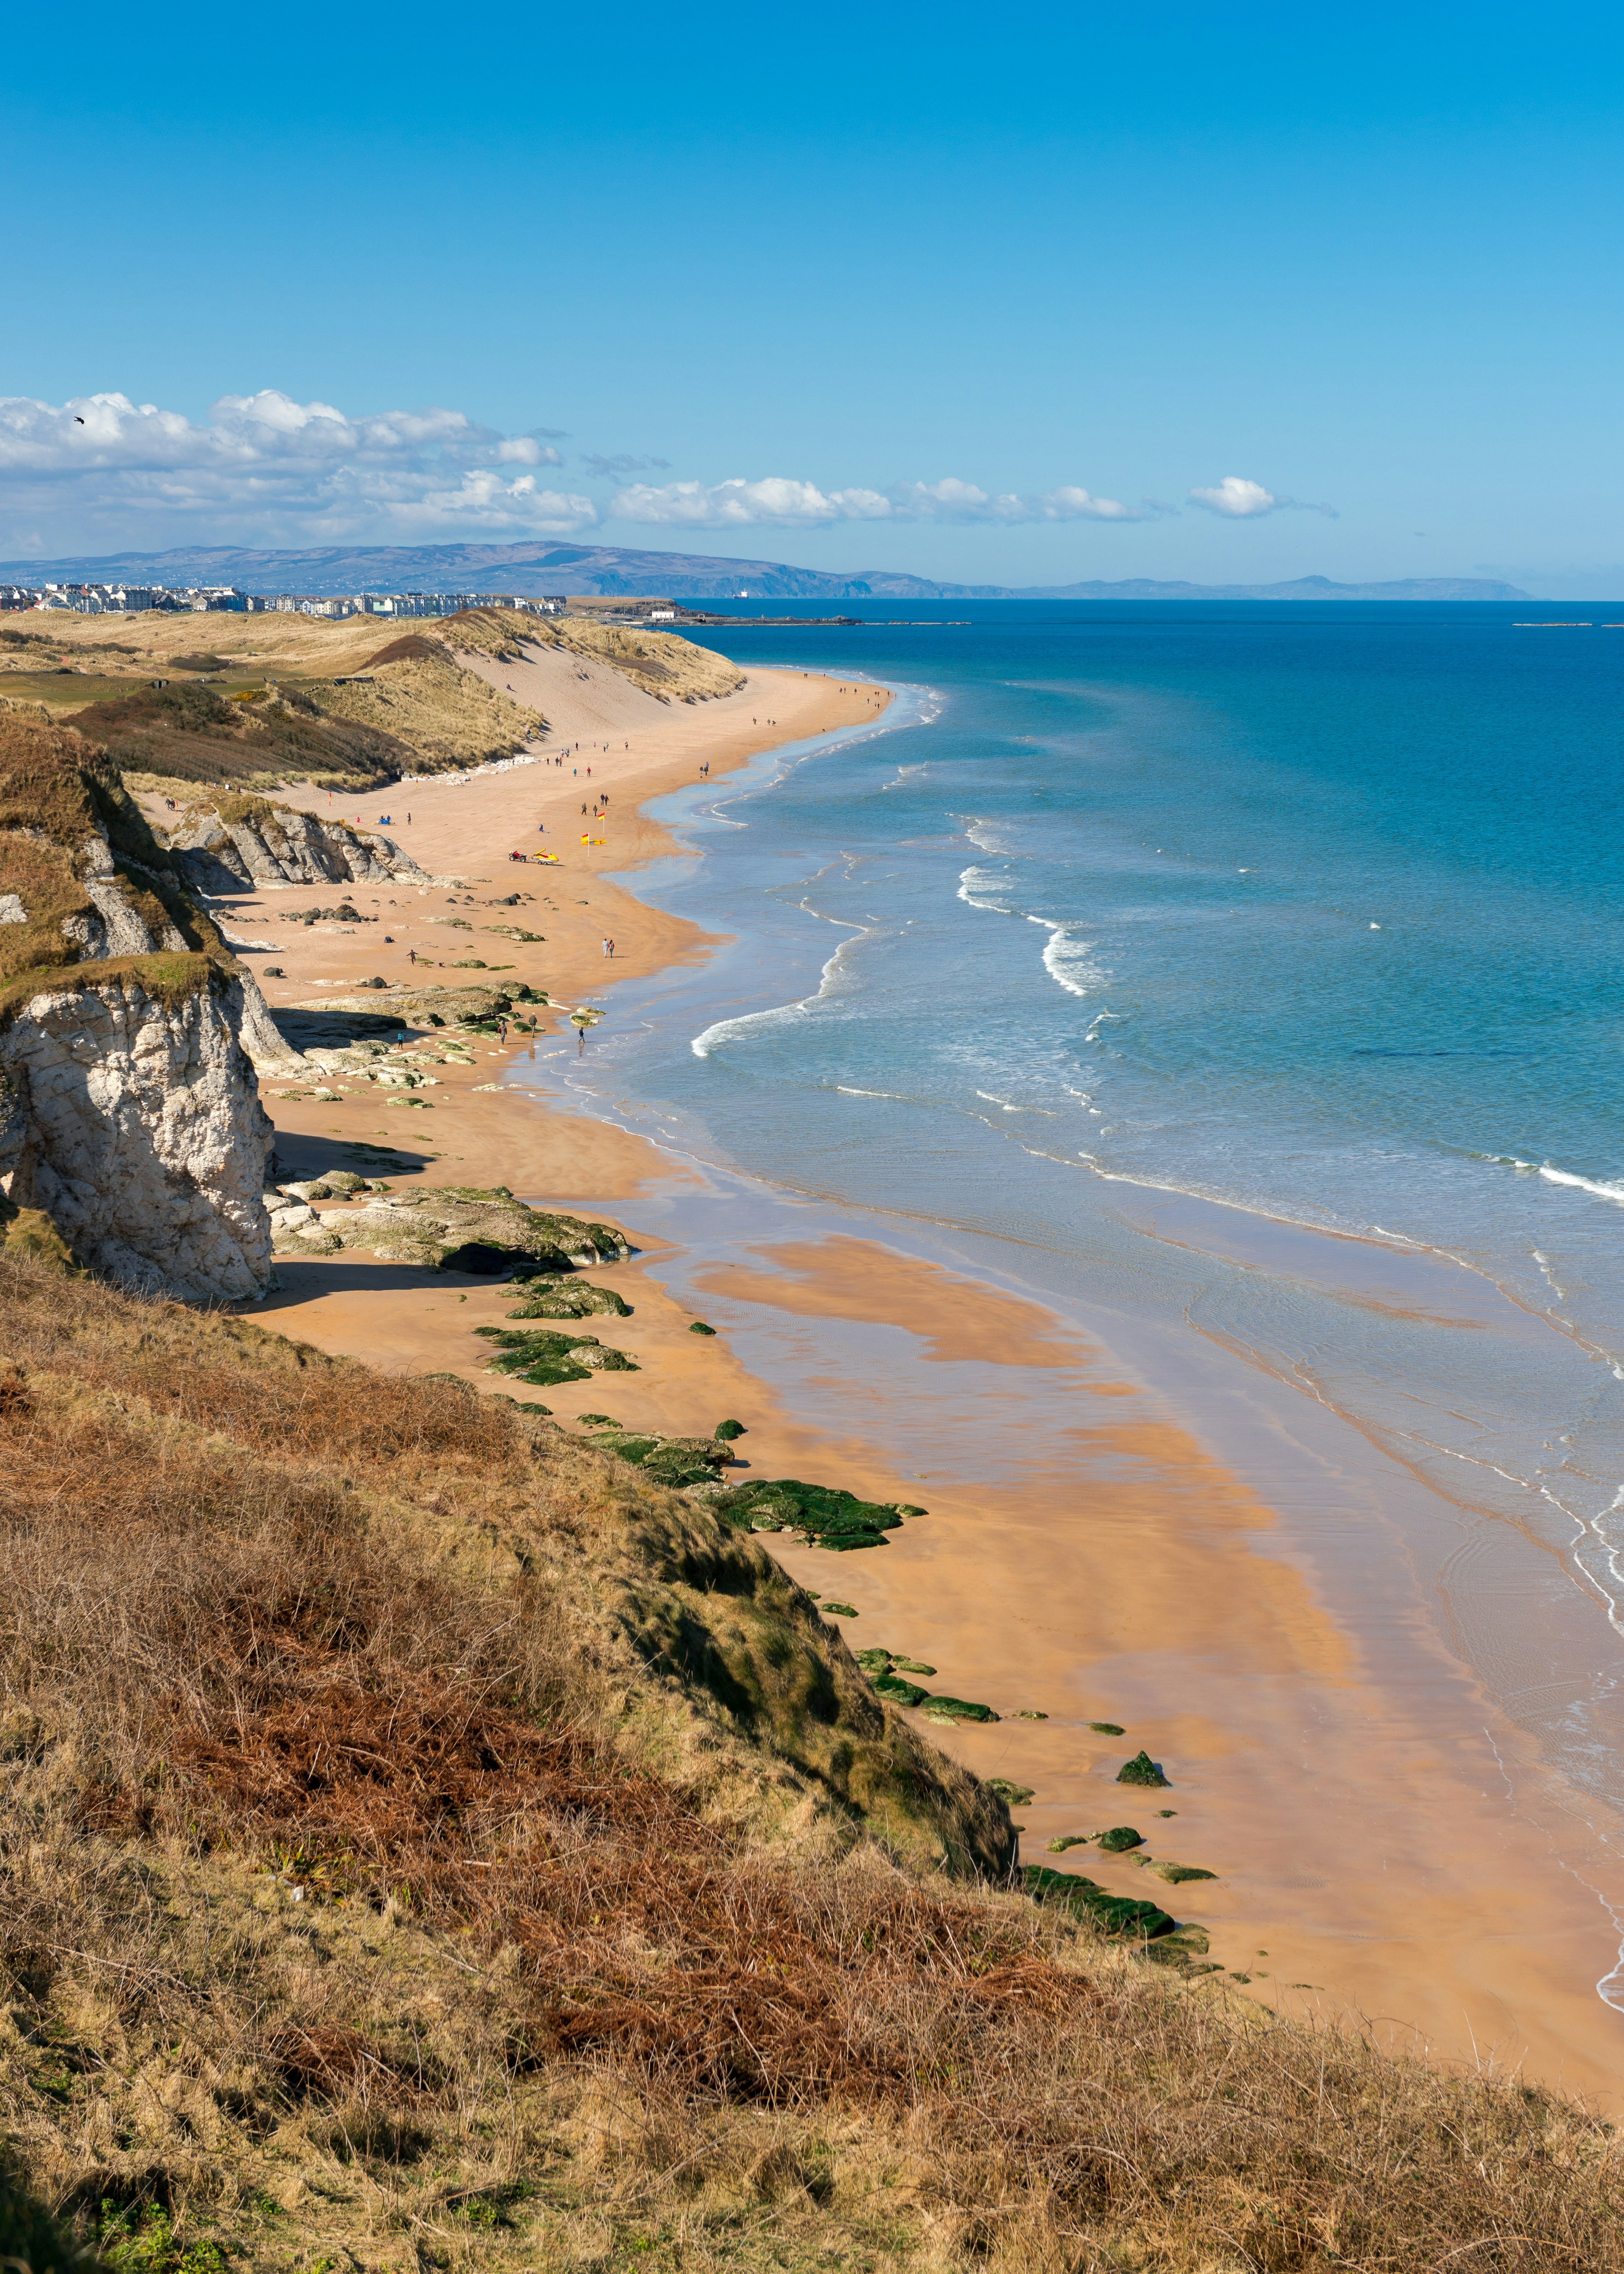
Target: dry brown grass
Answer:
pixel 447 715
pixel 391 1873
pixel 57 792
pixel 661 664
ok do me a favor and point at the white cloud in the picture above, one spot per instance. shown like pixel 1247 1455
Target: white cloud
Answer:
pixel 786 504
pixel 103 471
pixel 1240 500
pixel 265 467
pixel 957 500
pixel 739 504
pixel 1236 497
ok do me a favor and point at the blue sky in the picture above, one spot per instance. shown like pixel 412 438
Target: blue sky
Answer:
pixel 988 295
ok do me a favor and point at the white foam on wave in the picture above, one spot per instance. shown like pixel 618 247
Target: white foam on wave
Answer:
pixel 1599 1185
pixel 1010 1105
pixel 1068 959
pixel 972 882
pixel 728 1030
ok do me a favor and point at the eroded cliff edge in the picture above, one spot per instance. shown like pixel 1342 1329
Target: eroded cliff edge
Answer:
pixel 130 1115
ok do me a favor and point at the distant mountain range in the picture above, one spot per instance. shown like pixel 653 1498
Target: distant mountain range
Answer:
pixel 610 568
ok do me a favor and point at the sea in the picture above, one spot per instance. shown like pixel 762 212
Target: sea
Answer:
pixel 1246 978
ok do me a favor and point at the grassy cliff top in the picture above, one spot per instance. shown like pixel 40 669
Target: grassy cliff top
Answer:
pixel 63 809
pixel 662 664
pixel 268 703
pixel 426 1840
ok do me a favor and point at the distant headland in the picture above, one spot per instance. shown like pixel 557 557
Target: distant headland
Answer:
pixel 608 570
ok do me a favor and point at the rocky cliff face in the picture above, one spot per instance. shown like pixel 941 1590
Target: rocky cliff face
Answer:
pixel 129 1110
pixel 245 842
pixel 136 1126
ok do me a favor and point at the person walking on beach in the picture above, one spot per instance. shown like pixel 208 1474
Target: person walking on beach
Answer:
pixel 612 951
pixel 605 947
pixel 411 955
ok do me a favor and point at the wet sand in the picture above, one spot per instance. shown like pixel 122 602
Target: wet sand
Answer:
pixel 1083 1556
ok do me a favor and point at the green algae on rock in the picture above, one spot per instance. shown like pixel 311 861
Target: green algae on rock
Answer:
pixel 1012 1795
pixel 1068 1840
pixel 700 1328
pixel 478 1228
pixel 1125 1915
pixel 1119 1839
pixel 823 1513
pixel 839 1610
pixel 728 1430
pixel 544 1358
pixel 958 1709
pixel 1140 1770
pixel 1175 1874
pixel 1107 1728
pixel 551 1296
pixel 678 1462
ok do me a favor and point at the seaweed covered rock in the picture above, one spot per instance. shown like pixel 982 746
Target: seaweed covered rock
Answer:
pixel 1125 1915
pixel 543 1358
pixel 1175 1874
pixel 678 1462
pixel 1120 1839
pixel 958 1709
pixel 476 1228
pixel 552 1296
pixel 823 1513
pixel 1140 1770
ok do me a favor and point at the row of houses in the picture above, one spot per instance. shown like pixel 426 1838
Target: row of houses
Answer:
pixel 130 600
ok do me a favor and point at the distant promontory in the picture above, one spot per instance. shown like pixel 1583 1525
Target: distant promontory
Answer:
pixel 542 566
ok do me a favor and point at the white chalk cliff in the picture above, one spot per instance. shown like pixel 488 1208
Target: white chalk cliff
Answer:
pixel 129 1110
pixel 246 842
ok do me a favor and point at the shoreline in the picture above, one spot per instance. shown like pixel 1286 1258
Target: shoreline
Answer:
pixel 1168 1600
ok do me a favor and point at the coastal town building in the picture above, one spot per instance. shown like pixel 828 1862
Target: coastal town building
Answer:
pixel 130 600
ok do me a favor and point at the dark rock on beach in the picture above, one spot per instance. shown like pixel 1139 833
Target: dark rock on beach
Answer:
pixel 1124 1916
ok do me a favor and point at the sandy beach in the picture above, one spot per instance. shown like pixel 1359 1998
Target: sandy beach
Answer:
pixel 1336 1769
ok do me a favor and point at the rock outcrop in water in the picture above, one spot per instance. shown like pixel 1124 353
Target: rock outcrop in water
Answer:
pixel 130 1116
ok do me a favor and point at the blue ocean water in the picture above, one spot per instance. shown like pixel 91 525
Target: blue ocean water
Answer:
pixel 1165 944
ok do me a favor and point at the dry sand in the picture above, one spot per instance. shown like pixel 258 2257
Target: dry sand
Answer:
pixel 1368 1864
